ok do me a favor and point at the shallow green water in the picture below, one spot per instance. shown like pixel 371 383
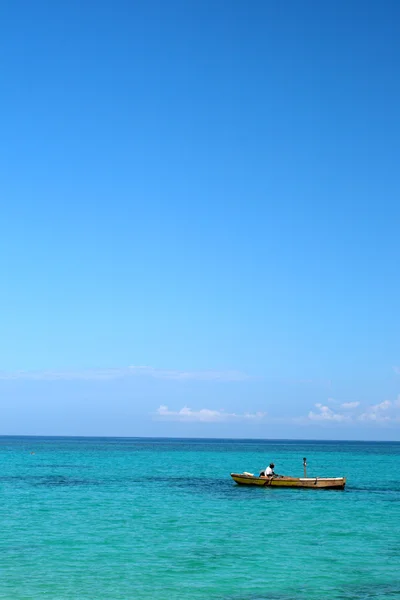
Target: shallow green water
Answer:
pixel 161 519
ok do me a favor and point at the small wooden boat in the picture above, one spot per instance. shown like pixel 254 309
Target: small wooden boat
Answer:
pixel 328 483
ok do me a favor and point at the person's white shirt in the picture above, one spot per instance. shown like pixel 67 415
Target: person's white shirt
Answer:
pixel 269 471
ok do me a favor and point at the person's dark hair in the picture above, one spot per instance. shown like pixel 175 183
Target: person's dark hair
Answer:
pixel 272 465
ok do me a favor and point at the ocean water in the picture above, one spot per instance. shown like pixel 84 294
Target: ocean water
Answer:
pixel 162 519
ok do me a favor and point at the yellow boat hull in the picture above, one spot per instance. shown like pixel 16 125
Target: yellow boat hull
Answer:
pixel 331 483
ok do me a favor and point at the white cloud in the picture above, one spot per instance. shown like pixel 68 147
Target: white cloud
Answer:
pixel 325 414
pixel 381 413
pixel 122 372
pixel 205 415
pixel 349 405
pixel 383 405
pixel 378 412
pixel 384 412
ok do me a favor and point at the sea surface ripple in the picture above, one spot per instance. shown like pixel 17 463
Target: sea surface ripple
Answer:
pixel 94 518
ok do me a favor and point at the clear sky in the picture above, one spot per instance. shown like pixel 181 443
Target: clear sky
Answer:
pixel 208 189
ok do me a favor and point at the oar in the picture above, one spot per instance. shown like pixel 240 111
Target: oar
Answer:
pixel 269 480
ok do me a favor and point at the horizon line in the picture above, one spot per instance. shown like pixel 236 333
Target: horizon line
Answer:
pixel 121 437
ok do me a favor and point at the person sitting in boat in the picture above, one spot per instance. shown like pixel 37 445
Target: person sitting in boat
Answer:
pixel 269 471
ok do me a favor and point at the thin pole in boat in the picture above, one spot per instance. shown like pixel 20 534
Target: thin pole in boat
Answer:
pixel 305 466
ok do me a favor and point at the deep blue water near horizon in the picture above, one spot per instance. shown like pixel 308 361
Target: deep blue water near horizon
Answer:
pixel 121 518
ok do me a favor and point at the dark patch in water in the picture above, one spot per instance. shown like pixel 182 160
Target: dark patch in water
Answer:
pixel 61 481
pixel 49 481
pixel 221 488
pixel 195 485
pixel 266 596
pixel 386 494
pixel 373 591
pixel 60 467
pixel 19 549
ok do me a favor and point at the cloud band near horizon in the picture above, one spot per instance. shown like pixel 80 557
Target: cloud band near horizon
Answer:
pixel 124 372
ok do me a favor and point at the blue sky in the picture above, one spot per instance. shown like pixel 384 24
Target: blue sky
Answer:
pixel 208 190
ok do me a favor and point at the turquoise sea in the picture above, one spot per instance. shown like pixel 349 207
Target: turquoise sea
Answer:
pixel 161 519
